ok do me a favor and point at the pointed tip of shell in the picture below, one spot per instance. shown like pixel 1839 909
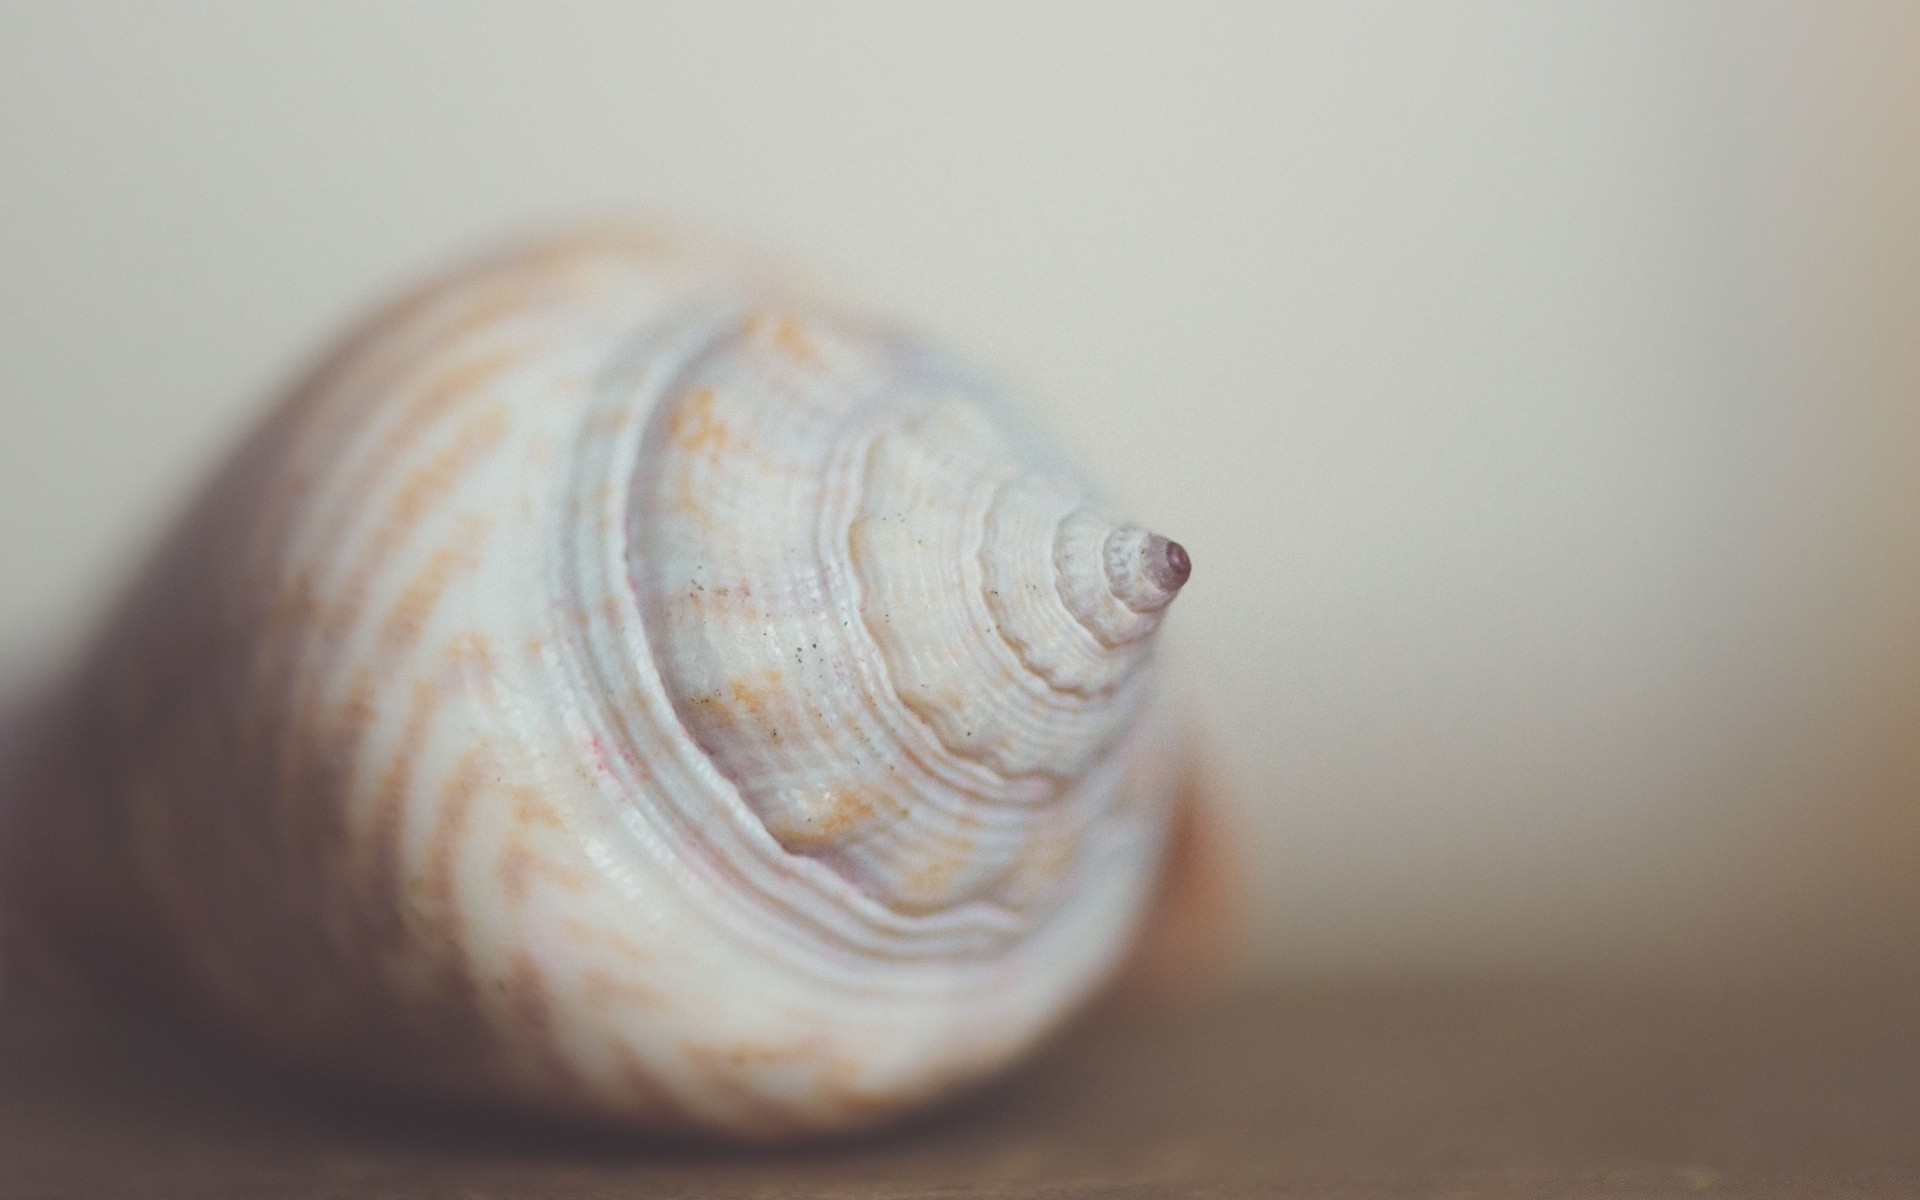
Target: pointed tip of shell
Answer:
pixel 1144 570
pixel 1166 564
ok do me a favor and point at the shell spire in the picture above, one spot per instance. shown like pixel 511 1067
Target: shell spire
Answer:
pixel 913 641
pixel 1147 579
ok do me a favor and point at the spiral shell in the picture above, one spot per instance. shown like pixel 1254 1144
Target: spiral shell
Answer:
pixel 619 683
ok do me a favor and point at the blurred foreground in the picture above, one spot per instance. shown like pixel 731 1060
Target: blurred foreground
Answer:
pixel 1806 1090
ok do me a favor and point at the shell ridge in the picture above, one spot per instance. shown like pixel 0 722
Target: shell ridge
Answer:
pixel 848 921
pixel 1023 649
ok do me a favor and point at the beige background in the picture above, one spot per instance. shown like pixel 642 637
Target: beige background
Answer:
pixel 1535 385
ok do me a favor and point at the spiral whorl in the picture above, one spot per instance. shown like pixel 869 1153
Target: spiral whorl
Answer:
pixel 911 642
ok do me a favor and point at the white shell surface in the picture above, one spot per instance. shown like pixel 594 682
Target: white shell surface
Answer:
pixel 617 685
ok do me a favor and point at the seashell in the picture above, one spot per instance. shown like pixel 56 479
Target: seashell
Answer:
pixel 621 682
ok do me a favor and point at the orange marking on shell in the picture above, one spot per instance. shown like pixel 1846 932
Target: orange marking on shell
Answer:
pixel 453 386
pixel 532 810
pixel 751 702
pixel 406 621
pixel 519 866
pixel 721 1074
pixel 1051 849
pixel 352 719
pixel 784 334
pixel 695 428
pixel 387 823
pixel 423 490
pixel 609 989
pixel 513 869
pixel 454 813
pixel 513 296
pixel 607 939
pixel 737 1055
pixel 841 1088
pixel 850 808
pixel 309 434
pixel 930 881
pixel 397 342
pixel 465 657
pixel 755 695
pixel 470 654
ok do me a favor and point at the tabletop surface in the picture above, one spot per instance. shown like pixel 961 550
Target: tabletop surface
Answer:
pixel 1455 1090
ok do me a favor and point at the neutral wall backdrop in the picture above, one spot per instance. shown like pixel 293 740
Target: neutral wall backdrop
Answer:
pixel 1534 385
